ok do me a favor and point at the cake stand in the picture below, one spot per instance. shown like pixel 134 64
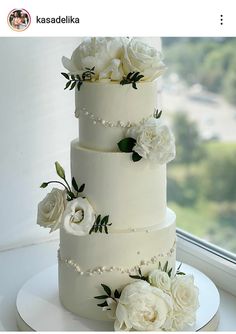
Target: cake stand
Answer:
pixel 39 308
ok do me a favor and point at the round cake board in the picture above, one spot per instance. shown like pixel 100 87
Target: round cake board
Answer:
pixel 39 308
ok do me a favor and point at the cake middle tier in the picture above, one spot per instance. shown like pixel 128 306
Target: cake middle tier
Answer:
pixel 133 194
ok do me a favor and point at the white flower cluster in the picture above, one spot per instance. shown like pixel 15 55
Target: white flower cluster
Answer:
pixel 154 141
pixel 163 303
pixel 114 58
pixel 77 216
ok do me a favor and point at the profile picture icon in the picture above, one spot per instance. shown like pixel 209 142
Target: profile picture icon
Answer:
pixel 19 19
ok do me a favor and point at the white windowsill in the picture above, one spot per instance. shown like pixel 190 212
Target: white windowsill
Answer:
pixel 19 264
pixel 221 271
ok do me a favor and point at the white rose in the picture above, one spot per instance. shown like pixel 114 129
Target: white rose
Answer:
pixel 50 210
pixel 78 217
pixel 154 141
pixel 185 298
pixel 140 57
pixel 142 307
pixel 102 52
pixel 159 279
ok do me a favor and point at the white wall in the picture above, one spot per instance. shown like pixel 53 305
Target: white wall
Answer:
pixel 36 126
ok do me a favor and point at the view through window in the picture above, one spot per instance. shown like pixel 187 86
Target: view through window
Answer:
pixel 199 98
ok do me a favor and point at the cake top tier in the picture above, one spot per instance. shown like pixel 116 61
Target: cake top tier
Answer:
pixel 116 87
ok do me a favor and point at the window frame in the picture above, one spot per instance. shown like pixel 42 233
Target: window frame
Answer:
pixel 215 262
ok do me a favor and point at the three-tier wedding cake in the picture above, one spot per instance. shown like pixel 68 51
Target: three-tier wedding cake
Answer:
pixel 117 236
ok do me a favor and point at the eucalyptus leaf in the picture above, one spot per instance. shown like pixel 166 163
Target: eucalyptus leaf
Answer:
pixel 101 297
pixel 44 185
pixel 73 85
pixel 135 276
pixel 117 294
pixel 67 84
pixel 60 171
pixel 74 184
pixel 106 289
pixel 65 75
pixel 103 304
pixel 136 157
pixel 169 272
pixel 165 267
pixel 134 85
pixel 79 84
pixel 104 220
pixel 127 144
pixel 81 189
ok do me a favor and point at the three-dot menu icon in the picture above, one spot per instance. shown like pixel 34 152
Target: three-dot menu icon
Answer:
pixel 221 19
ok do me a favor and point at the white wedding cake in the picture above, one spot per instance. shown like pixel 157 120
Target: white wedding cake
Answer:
pixel 117 236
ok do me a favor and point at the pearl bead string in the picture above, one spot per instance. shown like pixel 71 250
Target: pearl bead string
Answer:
pixel 107 124
pixel 103 269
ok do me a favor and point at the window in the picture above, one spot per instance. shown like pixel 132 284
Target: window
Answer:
pixel 199 98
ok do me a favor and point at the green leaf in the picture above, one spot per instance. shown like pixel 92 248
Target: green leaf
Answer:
pixel 134 85
pixel 101 297
pixel 159 265
pixel 179 266
pixel 136 157
pixel 65 75
pixel 73 85
pixel 72 77
pixel 74 184
pixel 135 276
pixel 97 221
pixel 67 84
pixel 91 230
pixel 103 304
pixel 127 144
pixel 105 220
pixel 106 229
pixel 60 171
pixel 169 272
pixel 79 84
pixel 81 189
pixel 96 228
pixel 117 294
pixel 139 77
pixel 134 76
pixel 165 268
pixel 44 185
pixel 130 75
pixel 100 228
pixel 180 273
pixel 70 194
pixel 106 289
pixel 139 271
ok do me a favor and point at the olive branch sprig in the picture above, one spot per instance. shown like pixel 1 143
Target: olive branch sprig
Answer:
pixel 71 193
pixel 108 294
pixel 77 80
pixel 100 225
pixel 132 78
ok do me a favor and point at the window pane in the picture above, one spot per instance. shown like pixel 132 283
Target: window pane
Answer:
pixel 199 98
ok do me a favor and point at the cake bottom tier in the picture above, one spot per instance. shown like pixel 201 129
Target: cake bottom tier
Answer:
pixel 86 262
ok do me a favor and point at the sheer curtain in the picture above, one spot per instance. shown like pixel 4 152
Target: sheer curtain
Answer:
pixel 36 126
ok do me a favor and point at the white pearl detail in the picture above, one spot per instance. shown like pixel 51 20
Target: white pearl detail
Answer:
pixel 103 269
pixel 107 123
